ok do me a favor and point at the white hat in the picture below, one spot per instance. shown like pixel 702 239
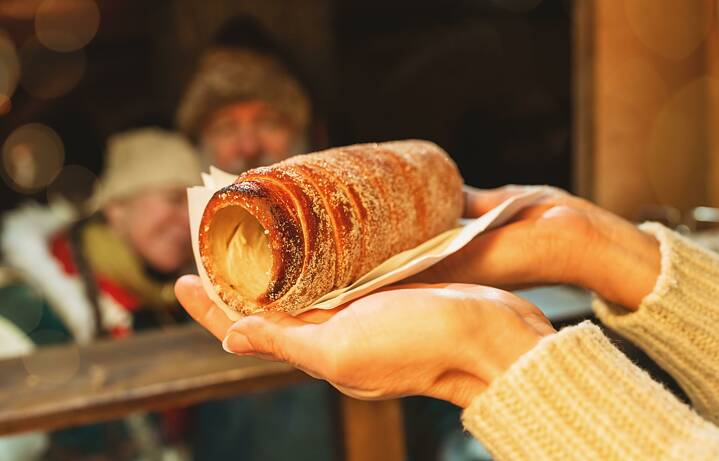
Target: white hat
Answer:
pixel 146 158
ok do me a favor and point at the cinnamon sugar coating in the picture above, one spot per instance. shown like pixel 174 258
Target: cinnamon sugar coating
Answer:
pixel 332 216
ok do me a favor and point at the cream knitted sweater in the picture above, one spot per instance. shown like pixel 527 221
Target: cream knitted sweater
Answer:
pixel 576 397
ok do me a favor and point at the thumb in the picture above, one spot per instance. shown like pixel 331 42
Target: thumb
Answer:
pixel 479 201
pixel 280 336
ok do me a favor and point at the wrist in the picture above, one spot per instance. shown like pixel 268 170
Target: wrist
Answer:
pixel 628 269
pixel 458 388
pixel 484 366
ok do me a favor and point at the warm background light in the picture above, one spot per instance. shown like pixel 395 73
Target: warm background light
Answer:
pixel 671 28
pixel 5 104
pixel 9 71
pixel 32 157
pixel 46 369
pixel 49 74
pixel 75 184
pixel 18 9
pixel 677 140
pixel 653 74
pixel 66 25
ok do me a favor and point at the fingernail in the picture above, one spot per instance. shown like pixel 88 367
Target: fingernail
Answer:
pixel 236 343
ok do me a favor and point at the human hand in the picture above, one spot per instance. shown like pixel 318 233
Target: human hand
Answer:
pixel 445 341
pixel 561 239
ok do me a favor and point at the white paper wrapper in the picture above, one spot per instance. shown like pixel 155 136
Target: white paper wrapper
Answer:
pixel 394 269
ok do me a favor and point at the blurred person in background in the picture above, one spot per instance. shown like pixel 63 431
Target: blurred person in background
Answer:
pixel 244 108
pixel 101 276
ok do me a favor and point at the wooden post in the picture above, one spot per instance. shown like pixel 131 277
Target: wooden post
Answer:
pixel 373 431
pixel 712 82
pixel 641 116
pixel 583 57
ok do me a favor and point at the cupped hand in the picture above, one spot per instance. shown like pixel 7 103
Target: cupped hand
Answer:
pixel 447 341
pixel 560 239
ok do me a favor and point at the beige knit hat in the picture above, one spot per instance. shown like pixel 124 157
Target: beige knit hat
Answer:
pixel 143 159
pixel 227 75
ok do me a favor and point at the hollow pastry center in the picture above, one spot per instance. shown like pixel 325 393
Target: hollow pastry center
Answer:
pixel 241 251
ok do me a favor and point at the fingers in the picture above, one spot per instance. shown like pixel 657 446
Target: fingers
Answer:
pixel 192 296
pixel 532 212
pixel 479 201
pixel 272 335
pixel 281 336
pixel 501 257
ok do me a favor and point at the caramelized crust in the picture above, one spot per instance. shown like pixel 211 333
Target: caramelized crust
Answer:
pixel 329 218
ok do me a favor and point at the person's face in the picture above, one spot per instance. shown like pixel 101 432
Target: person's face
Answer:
pixel 156 224
pixel 246 135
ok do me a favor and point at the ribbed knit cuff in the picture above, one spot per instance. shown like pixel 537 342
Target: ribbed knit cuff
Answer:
pixel 677 324
pixel 575 396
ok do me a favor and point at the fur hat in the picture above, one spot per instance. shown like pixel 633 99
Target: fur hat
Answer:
pixel 143 159
pixel 228 75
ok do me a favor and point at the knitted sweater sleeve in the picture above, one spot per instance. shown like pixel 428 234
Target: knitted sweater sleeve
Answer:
pixel 677 324
pixel 576 397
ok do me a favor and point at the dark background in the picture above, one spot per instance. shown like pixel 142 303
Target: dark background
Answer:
pixel 489 80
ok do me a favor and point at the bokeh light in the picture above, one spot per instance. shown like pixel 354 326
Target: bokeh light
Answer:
pixel 32 157
pixel 18 9
pixel 24 307
pixel 5 104
pixel 52 367
pixel 638 83
pixel 75 184
pixel 66 25
pixel 9 71
pixel 676 162
pixel 518 6
pixel 671 28
pixel 48 74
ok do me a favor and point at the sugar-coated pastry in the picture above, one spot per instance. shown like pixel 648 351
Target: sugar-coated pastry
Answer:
pixel 282 236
